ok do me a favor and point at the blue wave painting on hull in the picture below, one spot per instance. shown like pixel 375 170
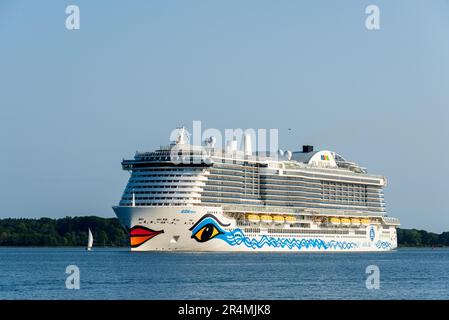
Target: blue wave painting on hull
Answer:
pixel 237 237
pixel 383 244
pixel 209 227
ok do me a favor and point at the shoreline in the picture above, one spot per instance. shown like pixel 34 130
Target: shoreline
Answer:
pixel 108 233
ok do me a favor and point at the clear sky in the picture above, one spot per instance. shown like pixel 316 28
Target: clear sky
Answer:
pixel 74 103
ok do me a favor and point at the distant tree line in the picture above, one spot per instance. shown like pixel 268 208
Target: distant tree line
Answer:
pixel 69 231
pixel 72 231
pixel 421 238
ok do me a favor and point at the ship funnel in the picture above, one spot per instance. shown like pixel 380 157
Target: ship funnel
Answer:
pixel 247 147
pixel 307 148
pixel 232 146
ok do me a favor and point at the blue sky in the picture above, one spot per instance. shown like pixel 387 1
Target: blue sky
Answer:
pixel 74 103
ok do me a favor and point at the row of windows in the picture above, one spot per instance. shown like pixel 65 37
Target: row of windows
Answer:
pixel 161 198
pixel 345 200
pixel 344 184
pixel 241 175
pixel 163 181
pixel 353 203
pixel 235 162
pixel 159 204
pixel 236 196
pixel 295 178
pixel 340 189
pixel 129 189
pixel 265 188
pixel 286 199
pixel 316 195
pixel 166 156
pixel 346 178
pixel 216 201
pixel 328 206
pixel 249 193
pixel 305 183
pixel 225 168
pixel 305 231
pixel 233 179
pixel 164 175
pixel 219 184
pixel 166 169
pixel 241 223
pixel 161 192
pixel 314 186
pixel 293 195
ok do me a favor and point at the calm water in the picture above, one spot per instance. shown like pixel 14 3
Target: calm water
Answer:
pixel 39 273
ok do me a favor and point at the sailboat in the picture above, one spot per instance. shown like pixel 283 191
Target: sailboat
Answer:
pixel 90 241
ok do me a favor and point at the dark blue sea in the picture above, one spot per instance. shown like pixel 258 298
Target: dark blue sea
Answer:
pixel 40 273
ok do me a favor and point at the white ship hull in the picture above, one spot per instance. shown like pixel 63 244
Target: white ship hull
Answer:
pixel 198 228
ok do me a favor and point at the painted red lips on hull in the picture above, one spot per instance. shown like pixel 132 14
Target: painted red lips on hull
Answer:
pixel 139 235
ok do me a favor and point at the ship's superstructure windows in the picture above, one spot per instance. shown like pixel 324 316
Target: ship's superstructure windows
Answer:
pixel 156 181
pixel 215 178
pixel 264 185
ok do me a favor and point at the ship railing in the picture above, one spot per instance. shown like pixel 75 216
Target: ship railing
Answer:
pixel 284 210
pixel 243 208
pixel 391 220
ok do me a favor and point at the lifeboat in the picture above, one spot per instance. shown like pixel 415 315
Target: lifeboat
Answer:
pixel 253 218
pixel 334 220
pixel 266 219
pixel 345 221
pixel 365 221
pixel 355 222
pixel 278 219
pixel 290 219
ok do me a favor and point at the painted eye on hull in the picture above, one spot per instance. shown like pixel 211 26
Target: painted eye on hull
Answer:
pixel 208 227
pixel 207 232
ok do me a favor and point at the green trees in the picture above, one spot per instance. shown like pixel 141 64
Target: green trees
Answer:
pixel 68 231
pixel 418 238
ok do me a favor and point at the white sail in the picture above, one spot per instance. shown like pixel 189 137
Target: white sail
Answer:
pixel 90 242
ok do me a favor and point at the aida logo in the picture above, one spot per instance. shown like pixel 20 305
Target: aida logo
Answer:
pixel 372 234
pixel 324 157
pixel 187 211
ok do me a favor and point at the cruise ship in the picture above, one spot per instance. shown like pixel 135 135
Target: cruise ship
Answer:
pixel 183 197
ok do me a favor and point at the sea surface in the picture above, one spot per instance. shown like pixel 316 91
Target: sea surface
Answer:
pixel 106 273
